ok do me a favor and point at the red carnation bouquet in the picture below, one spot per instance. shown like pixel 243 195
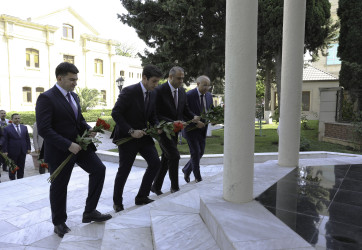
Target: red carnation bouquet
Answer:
pixel 169 128
pixel 9 162
pixel 83 141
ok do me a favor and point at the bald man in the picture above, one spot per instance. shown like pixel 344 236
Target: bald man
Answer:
pixel 199 101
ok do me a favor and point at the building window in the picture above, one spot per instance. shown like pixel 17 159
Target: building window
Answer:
pixel 121 73
pixel 104 96
pixel 26 94
pixel 38 91
pixel 67 58
pixel 130 74
pixel 98 66
pixel 32 58
pixel 332 55
pixel 306 101
pixel 68 31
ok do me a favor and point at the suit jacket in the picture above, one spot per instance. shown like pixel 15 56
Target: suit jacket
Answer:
pixel 58 125
pixel 165 105
pixel 14 144
pixel 129 111
pixel 193 100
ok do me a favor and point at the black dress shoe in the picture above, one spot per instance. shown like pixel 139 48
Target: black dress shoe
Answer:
pixel 118 208
pixel 60 230
pixel 95 216
pixel 66 227
pixel 187 177
pixel 174 190
pixel 143 200
pixel 198 180
pixel 158 192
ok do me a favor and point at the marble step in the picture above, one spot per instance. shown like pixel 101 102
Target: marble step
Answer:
pixel 180 229
pixel 133 228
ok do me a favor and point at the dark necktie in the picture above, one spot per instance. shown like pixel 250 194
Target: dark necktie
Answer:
pixel 202 106
pixel 72 105
pixel 175 97
pixel 147 99
pixel 18 130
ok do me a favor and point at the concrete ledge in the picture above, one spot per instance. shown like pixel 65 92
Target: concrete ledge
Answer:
pixel 215 159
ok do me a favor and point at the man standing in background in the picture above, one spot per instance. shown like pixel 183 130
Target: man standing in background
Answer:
pixel 200 101
pixel 3 123
pixel 16 144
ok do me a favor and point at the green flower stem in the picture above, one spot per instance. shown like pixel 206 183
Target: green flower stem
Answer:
pixel 60 168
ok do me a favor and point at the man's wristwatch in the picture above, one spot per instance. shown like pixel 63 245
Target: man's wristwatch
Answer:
pixel 131 131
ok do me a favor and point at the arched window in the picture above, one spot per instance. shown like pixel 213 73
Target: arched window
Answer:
pixel 98 66
pixel 68 31
pixel 32 58
pixel 26 94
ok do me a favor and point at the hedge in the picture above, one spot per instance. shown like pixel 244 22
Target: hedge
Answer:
pixel 28 117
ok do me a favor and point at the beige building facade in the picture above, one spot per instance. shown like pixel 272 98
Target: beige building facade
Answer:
pixel 31 49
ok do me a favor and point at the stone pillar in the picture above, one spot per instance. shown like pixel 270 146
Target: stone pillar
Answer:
pixel 240 91
pixel 292 78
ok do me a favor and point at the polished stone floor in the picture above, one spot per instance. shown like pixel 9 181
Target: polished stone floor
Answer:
pixel 323 204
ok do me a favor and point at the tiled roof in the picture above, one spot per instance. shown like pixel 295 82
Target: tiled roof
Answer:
pixel 313 74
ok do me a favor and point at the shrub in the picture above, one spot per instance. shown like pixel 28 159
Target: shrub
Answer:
pixel 27 117
pixel 304 144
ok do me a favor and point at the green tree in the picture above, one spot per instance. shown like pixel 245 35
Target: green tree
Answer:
pixel 126 50
pixel 319 31
pixel 188 33
pixel 350 43
pixel 88 98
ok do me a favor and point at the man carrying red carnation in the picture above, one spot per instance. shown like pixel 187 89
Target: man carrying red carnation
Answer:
pixel 171 106
pixel 16 144
pixel 135 107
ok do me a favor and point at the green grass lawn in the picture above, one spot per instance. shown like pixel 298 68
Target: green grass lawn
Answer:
pixel 267 142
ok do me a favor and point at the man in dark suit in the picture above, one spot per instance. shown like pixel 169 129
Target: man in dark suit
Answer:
pixel 171 106
pixel 135 108
pixel 16 144
pixel 59 120
pixel 199 100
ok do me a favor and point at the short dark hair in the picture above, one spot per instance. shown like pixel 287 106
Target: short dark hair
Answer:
pixel 175 69
pixel 64 68
pixel 12 116
pixel 150 71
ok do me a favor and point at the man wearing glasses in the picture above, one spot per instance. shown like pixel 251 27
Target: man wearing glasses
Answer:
pixel 200 101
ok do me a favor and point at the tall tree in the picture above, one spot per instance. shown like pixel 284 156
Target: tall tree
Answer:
pixel 188 33
pixel 318 29
pixel 350 43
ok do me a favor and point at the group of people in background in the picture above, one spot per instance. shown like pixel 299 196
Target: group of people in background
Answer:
pixel 141 105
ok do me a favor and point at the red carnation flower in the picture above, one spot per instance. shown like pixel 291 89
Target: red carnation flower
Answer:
pixel 44 165
pixel 15 169
pixel 177 127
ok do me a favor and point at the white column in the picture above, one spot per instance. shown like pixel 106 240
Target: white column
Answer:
pixel 292 78
pixel 240 75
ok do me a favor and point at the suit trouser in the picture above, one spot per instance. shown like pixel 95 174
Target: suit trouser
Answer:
pixel 89 162
pixel 169 161
pixel 19 160
pixel 2 162
pixel 196 140
pixel 127 155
